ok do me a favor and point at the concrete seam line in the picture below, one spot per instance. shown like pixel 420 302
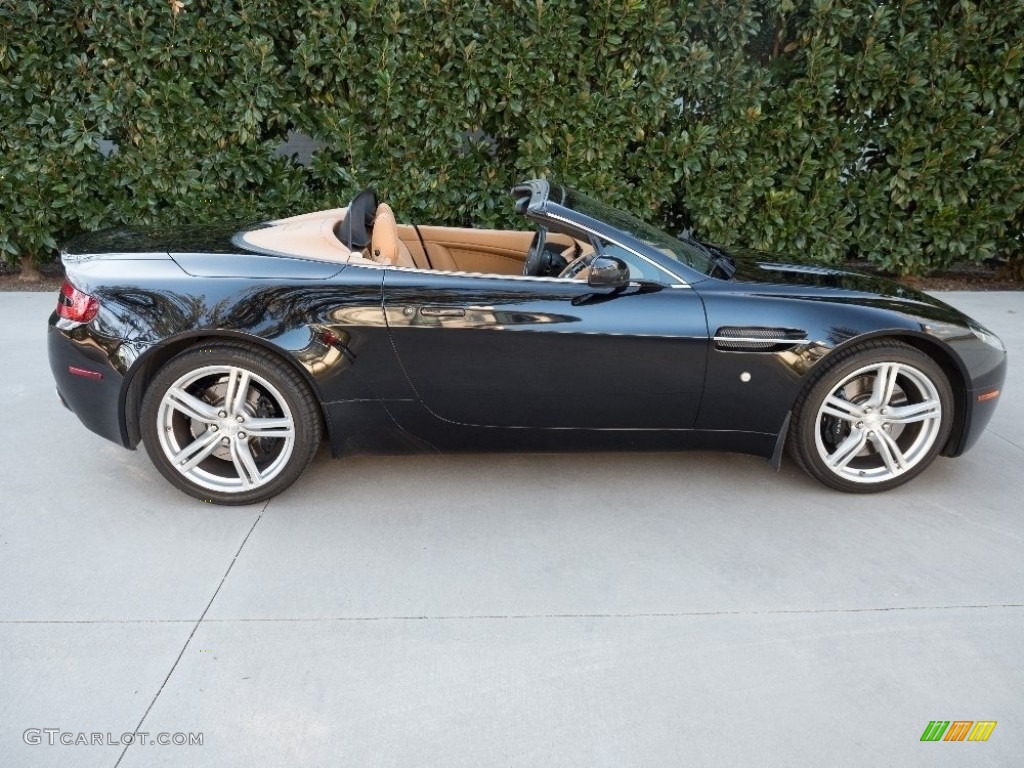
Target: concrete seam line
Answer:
pixel 534 616
pixel 1003 437
pixel 193 632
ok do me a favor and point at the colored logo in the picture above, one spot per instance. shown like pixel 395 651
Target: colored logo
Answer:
pixel 958 730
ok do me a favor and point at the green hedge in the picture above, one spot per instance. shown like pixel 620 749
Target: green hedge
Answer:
pixel 885 130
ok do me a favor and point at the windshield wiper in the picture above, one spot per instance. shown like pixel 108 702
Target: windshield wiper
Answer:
pixel 723 259
pixel 718 258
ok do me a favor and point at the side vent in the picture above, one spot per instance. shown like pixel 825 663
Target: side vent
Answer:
pixel 757 339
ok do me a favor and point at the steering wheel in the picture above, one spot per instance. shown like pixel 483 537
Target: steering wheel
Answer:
pixel 544 259
pixel 535 256
pixel 577 265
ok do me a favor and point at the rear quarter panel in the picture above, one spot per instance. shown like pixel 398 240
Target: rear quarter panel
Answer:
pixel 332 328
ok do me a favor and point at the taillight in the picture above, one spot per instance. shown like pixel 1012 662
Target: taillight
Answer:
pixel 73 304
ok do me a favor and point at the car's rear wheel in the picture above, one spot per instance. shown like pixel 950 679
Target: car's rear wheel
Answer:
pixel 229 424
pixel 875 418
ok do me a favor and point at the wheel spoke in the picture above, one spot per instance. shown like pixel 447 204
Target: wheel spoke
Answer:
pixel 207 425
pixel 908 414
pixel 849 448
pixel 880 421
pixel 196 451
pixel 237 391
pixel 244 463
pixel 270 427
pixel 842 409
pixel 885 382
pixel 890 452
pixel 190 405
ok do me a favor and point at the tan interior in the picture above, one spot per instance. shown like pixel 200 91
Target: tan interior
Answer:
pixel 385 246
pixel 309 236
pixel 447 249
pixel 459 249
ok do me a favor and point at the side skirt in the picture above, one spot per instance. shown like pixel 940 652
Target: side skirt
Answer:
pixel 423 432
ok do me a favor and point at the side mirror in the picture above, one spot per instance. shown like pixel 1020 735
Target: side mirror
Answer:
pixel 608 272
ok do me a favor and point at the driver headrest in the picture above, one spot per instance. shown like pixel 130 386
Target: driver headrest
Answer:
pixel 384 245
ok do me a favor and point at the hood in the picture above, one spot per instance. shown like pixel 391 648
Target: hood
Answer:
pixel 760 267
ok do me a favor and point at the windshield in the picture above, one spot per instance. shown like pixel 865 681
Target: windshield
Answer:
pixel 686 253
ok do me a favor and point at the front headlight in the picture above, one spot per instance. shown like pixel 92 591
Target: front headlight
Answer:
pixel 987 336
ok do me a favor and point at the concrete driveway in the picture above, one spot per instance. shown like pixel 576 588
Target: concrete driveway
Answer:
pixel 548 610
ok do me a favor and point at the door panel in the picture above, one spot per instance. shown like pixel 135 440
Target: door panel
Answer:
pixel 484 251
pixel 491 251
pixel 548 353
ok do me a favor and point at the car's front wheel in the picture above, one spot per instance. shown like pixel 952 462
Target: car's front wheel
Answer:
pixel 875 418
pixel 229 424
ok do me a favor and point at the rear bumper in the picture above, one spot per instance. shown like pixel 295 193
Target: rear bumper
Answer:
pixel 93 391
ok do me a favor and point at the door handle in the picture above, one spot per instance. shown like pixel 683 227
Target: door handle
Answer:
pixel 442 311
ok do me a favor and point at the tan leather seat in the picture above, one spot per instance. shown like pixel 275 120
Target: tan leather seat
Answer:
pixel 385 245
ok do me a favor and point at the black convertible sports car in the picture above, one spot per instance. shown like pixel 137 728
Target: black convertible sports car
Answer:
pixel 230 351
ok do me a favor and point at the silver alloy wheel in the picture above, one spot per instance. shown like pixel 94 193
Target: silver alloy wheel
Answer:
pixel 878 423
pixel 225 428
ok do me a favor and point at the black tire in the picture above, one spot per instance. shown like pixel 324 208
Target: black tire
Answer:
pixel 197 423
pixel 869 433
